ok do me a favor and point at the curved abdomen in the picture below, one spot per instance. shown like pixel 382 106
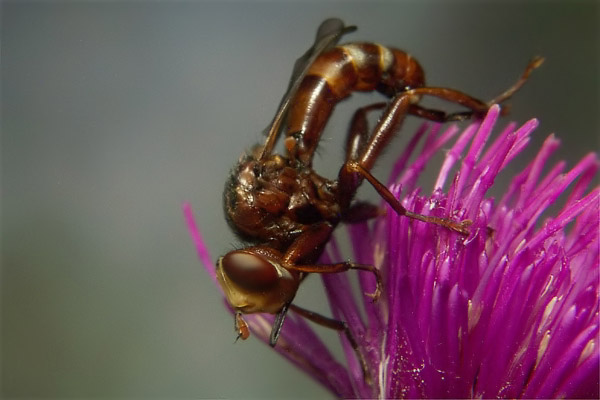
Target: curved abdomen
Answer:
pixel 333 76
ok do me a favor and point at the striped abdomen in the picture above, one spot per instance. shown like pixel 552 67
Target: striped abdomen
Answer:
pixel 333 76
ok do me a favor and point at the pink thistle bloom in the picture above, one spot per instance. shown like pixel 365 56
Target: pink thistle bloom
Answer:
pixel 510 311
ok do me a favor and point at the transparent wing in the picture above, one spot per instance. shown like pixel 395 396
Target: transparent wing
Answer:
pixel 328 34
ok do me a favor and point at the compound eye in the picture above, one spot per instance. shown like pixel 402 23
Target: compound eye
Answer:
pixel 248 270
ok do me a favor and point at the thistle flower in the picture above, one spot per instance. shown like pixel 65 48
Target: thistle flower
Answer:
pixel 509 311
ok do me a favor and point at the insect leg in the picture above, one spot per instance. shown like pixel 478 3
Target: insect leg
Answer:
pixel 299 256
pixel 354 171
pixel 438 115
pixel 533 64
pixel 388 124
pixel 305 247
pixel 476 106
pixel 342 267
pixel 339 326
pixel 460 227
pixel 356 143
pixel 356 140
pixel 309 244
pixel 359 131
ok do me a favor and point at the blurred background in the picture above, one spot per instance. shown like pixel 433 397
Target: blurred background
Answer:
pixel 115 113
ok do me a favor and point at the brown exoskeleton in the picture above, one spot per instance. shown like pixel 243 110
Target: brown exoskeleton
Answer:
pixel 287 211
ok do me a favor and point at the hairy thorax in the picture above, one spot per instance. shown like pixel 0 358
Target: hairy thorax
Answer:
pixel 274 200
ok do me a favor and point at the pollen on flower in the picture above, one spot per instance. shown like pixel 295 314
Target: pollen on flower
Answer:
pixel 548 286
pixel 474 313
pixel 542 346
pixel 547 312
pixel 520 353
pixel 520 246
pixel 587 351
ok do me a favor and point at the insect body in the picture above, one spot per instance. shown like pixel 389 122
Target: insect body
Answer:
pixel 333 76
pixel 285 210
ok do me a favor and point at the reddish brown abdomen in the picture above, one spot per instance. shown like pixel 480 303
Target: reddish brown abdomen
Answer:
pixel 333 76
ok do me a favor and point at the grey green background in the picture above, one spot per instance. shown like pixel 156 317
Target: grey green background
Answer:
pixel 114 113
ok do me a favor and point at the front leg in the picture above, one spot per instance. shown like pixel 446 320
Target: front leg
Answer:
pixel 309 245
pixel 301 255
pixel 299 258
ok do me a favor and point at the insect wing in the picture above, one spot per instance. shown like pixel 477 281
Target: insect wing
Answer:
pixel 328 34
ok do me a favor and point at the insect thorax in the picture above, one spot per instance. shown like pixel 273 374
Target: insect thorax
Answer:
pixel 274 201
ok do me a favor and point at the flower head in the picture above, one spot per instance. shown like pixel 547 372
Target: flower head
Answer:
pixel 509 311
